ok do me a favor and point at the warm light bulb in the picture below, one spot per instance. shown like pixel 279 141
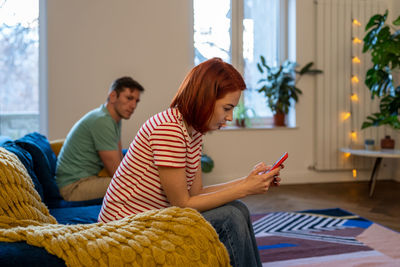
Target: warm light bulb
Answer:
pixel 356 40
pixel 353 135
pixel 355 79
pixel 356 60
pixel 354 173
pixel 347 154
pixel 345 115
pixel 356 22
pixel 354 97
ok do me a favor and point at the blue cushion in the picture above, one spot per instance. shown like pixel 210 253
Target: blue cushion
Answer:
pixel 44 144
pixel 76 215
pixel 36 145
pixel 27 161
pixel 61 203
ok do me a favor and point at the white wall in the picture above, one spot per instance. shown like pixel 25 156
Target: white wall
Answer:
pixel 90 43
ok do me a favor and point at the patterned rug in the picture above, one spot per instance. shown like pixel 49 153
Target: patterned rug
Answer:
pixel 331 237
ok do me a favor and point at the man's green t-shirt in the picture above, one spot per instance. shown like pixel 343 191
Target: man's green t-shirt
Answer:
pixel 79 158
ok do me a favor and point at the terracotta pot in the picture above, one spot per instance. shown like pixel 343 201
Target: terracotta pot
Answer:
pixel 387 142
pixel 279 119
pixel 240 123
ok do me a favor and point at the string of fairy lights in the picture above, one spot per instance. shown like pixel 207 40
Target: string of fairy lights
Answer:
pixel 355 59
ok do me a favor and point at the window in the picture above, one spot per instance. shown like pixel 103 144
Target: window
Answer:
pixel 239 31
pixel 19 64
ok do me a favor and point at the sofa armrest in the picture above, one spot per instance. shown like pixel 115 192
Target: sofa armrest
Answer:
pixel 56 145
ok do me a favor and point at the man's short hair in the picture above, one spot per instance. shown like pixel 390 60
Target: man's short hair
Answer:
pixel 125 82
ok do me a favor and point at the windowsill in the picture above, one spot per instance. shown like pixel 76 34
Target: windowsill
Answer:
pixel 262 123
pixel 265 127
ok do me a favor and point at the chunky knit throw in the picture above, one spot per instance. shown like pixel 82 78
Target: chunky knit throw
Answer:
pixel 167 237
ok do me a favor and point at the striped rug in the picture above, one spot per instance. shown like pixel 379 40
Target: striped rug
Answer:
pixel 331 237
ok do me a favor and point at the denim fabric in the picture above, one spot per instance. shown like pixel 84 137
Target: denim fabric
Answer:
pixel 233 226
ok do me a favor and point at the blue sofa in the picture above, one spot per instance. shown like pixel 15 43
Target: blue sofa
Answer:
pixel 38 157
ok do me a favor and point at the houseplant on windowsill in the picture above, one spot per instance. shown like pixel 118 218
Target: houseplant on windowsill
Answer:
pixel 243 115
pixel 383 41
pixel 279 86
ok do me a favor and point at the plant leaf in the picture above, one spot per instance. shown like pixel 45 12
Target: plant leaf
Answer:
pixel 306 68
pixel 397 21
pixel 263 61
pixel 260 68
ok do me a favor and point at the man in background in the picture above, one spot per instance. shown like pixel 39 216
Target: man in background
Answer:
pixel 94 143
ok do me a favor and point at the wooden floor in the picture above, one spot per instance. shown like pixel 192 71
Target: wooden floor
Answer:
pixel 383 208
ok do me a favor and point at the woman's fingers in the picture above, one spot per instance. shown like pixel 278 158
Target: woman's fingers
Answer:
pixel 259 168
pixel 277 181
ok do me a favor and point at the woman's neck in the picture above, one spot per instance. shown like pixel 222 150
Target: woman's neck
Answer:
pixel 189 129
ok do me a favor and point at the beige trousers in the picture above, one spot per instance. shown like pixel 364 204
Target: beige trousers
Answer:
pixel 86 188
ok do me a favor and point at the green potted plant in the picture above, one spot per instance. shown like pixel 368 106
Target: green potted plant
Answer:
pixel 279 86
pixel 383 41
pixel 243 115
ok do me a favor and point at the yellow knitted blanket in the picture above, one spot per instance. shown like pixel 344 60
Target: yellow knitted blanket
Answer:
pixel 168 237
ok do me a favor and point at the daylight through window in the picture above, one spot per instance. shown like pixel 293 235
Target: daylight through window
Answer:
pixel 19 64
pixel 239 31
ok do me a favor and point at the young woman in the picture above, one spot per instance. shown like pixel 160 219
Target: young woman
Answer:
pixel 162 166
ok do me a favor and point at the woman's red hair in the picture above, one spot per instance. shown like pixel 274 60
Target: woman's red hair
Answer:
pixel 202 86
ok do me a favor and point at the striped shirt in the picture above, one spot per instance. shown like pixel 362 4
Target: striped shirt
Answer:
pixel 136 187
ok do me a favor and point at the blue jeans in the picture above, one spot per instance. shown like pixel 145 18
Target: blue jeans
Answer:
pixel 233 226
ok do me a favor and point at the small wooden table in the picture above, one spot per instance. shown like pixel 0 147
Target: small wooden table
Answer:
pixel 378 154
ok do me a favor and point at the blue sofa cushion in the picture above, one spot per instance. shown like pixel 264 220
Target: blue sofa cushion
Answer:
pixel 76 215
pixel 26 160
pixel 61 203
pixel 43 163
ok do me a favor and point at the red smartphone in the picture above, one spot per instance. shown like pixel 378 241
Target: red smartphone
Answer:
pixel 279 162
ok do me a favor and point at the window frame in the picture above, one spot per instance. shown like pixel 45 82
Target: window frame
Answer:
pixel 43 69
pixel 285 49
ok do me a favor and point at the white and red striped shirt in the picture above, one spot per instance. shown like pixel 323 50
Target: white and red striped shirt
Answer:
pixel 136 187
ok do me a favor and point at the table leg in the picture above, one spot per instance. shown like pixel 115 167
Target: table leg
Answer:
pixel 374 174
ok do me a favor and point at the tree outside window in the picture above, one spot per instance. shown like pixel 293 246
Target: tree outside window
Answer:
pixel 19 59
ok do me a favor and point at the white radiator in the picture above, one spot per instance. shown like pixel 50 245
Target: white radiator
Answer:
pixel 335 49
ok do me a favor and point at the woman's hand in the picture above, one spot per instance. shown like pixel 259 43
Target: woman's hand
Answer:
pixel 258 182
pixel 277 179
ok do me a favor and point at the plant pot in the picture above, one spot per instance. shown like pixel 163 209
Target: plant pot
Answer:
pixel 279 119
pixel 387 142
pixel 240 123
pixel 369 144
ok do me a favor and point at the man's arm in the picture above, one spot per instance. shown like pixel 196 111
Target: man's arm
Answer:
pixel 111 159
